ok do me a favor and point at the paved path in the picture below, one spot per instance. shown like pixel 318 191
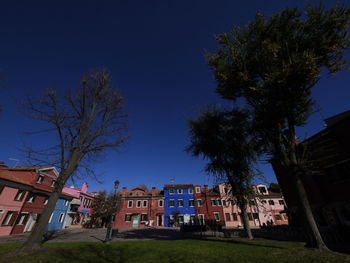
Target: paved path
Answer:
pixel 98 235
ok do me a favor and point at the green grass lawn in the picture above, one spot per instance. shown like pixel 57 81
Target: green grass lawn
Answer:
pixel 179 251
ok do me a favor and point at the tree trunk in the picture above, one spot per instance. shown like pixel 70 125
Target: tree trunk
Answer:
pixel 36 237
pixel 246 221
pixel 312 227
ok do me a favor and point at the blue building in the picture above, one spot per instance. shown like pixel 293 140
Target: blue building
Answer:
pixel 58 216
pixel 179 204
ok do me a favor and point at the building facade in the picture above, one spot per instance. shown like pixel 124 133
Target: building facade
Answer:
pixel 327 186
pixel 266 208
pixel 59 215
pixel 80 206
pixel 209 205
pixel 139 208
pixel 179 204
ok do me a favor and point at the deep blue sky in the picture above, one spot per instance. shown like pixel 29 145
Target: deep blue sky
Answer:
pixel 155 52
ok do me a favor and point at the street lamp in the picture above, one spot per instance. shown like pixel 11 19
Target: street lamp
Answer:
pixel 113 210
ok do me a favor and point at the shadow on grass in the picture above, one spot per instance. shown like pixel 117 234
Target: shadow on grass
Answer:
pixel 154 234
pixel 242 242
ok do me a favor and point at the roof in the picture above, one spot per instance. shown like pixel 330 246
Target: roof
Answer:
pixel 337 118
pixel 23 177
pixel 167 186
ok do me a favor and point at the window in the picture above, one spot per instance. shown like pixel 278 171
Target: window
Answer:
pixel 191 202
pixel 160 203
pixel 180 191
pixel 144 217
pixel 262 190
pixel 271 202
pixel 60 219
pixel 171 191
pixel 251 202
pixel 250 216
pixel 19 196
pixel 225 190
pixel 224 203
pixel 180 203
pixel 10 218
pixel 228 217
pixel 46 199
pixel 129 203
pixel 1 188
pixel 278 217
pixel 285 217
pixel 138 203
pixel 66 203
pixel 22 219
pixel 198 190
pixel 234 216
pixel 50 218
pixel 213 202
pixel 263 201
pixel 53 183
pixel 255 215
pixel 145 203
pixel 217 216
pixel 281 202
pixel 190 190
pixel 199 202
pixel 127 217
pixel 1 214
pixel 218 202
pixel 172 203
pixel 40 179
pixel 31 198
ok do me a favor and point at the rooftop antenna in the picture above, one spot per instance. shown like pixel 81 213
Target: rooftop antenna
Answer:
pixel 15 160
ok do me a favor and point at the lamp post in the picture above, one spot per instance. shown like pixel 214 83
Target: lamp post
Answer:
pixel 113 210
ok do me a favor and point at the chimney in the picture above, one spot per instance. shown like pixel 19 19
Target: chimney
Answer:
pixel 153 187
pixel 84 187
pixel 124 187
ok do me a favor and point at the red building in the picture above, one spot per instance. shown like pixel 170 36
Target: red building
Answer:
pixel 328 186
pixel 24 193
pixel 209 205
pixel 140 207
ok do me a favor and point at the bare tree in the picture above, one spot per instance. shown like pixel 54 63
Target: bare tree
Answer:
pixel 86 123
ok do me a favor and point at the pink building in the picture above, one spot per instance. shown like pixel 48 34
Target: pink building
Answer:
pixel 80 205
pixel 267 208
pixel 232 213
pixel 272 210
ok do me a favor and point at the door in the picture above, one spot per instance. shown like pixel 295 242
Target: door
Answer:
pixel 30 223
pixel 135 222
pixel 160 220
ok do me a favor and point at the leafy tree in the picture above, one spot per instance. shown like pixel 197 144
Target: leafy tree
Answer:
pixel 225 139
pixel 273 64
pixel 86 123
pixel 103 207
pixel 176 218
